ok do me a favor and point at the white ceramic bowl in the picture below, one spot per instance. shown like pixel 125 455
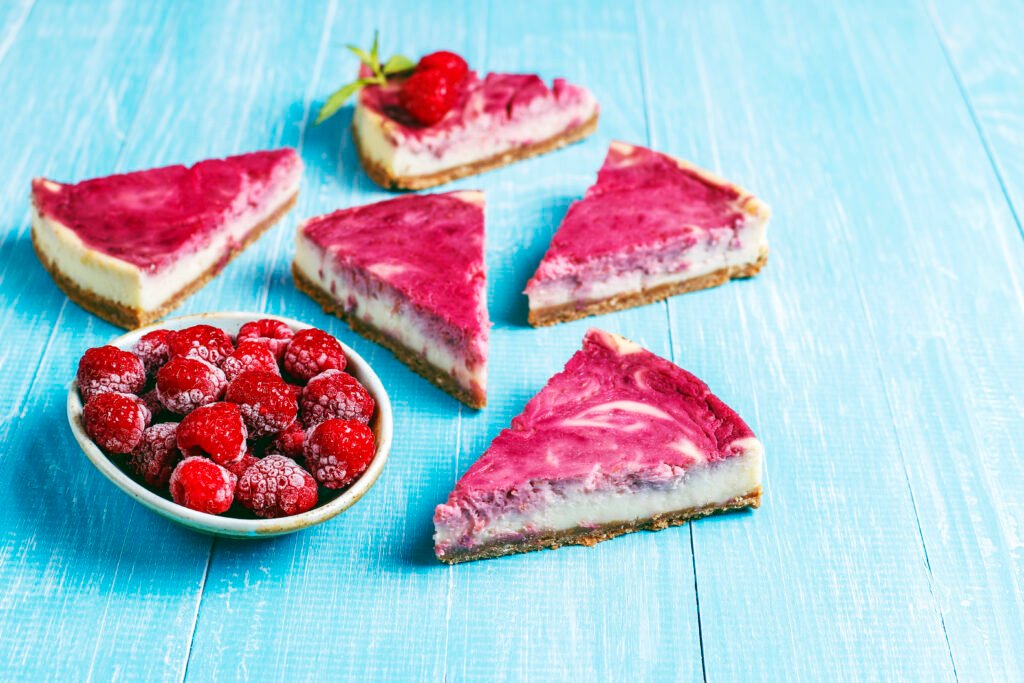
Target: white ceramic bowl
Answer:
pixel 231 526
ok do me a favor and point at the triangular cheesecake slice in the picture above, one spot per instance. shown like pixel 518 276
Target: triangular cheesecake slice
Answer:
pixel 408 273
pixel 131 247
pixel 497 119
pixel 651 227
pixel 621 440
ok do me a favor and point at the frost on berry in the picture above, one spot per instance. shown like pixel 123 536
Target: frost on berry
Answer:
pixel 277 486
pixel 274 333
pixel 311 352
pixel 204 342
pixel 109 369
pixel 239 468
pixel 249 355
pixel 338 452
pixel 184 384
pixel 115 421
pixel 289 442
pixel 157 454
pixel 265 400
pixel 203 485
pixel 215 431
pixel 335 394
pixel 153 351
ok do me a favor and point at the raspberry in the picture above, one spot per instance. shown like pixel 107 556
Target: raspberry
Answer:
pixel 250 355
pixel 153 350
pixel 203 485
pixel 448 62
pixel 204 342
pixel 152 402
pixel 156 455
pixel 184 384
pixel 274 333
pixel 311 352
pixel 335 394
pixel 115 421
pixel 289 441
pixel 277 487
pixel 239 468
pixel 338 451
pixel 107 369
pixel 428 95
pixel 215 431
pixel 266 402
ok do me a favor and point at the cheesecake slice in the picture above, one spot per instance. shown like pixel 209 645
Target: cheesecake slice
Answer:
pixel 496 120
pixel 407 273
pixel 621 440
pixel 652 226
pixel 131 247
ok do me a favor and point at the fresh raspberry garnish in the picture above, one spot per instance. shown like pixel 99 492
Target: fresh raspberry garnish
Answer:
pixel 274 333
pixel 115 421
pixel 335 394
pixel 250 355
pixel 203 485
pixel 311 352
pixel 239 468
pixel 108 368
pixel 338 451
pixel 277 487
pixel 204 342
pixel 184 384
pixel 266 402
pixel 448 62
pixel 289 441
pixel 428 95
pixel 215 431
pixel 157 454
pixel 153 350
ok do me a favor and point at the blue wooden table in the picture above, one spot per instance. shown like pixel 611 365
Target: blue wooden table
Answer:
pixel 879 356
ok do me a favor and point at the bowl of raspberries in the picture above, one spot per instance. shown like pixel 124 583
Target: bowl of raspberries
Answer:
pixel 234 424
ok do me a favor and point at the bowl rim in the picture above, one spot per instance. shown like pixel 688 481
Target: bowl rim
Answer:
pixel 233 526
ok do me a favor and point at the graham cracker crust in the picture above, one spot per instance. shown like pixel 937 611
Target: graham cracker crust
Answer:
pixel 383 177
pixel 442 380
pixel 589 537
pixel 572 311
pixel 131 318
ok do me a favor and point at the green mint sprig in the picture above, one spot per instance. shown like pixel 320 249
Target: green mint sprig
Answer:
pixel 395 64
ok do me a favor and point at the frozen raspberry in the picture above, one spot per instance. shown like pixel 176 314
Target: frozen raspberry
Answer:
pixel 338 451
pixel 215 431
pixel 115 421
pixel 204 342
pixel 311 352
pixel 266 402
pixel 184 384
pixel 289 441
pixel 108 368
pixel 239 468
pixel 274 333
pixel 428 95
pixel 153 351
pixel 156 455
pixel 277 487
pixel 152 402
pixel 203 485
pixel 296 391
pixel 250 355
pixel 448 62
pixel 335 394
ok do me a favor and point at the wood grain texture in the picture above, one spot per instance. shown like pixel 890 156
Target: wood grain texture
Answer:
pixel 879 355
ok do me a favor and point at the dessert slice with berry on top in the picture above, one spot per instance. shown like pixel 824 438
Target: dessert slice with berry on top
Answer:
pixel 652 226
pixel 131 247
pixel 425 124
pixel 619 441
pixel 407 273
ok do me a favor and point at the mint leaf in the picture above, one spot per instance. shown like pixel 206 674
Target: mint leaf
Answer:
pixel 363 56
pixel 395 64
pixel 336 100
pixel 373 52
pixel 398 64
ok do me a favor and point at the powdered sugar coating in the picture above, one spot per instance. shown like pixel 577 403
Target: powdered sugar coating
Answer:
pixel 157 454
pixel 311 352
pixel 277 486
pixel 109 369
pixel 335 394
pixel 338 451
pixel 184 384
pixel 249 355
pixel 203 485
pixel 274 333
pixel 215 431
pixel 115 421
pixel 266 402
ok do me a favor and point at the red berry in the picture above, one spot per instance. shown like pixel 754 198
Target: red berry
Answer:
pixel 335 394
pixel 448 62
pixel 184 384
pixel 266 402
pixel 250 355
pixel 157 454
pixel 152 402
pixel 274 333
pixel 338 451
pixel 277 487
pixel 203 485
pixel 311 352
pixel 289 441
pixel 428 95
pixel 204 342
pixel 239 468
pixel 115 421
pixel 107 369
pixel 215 431
pixel 153 350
